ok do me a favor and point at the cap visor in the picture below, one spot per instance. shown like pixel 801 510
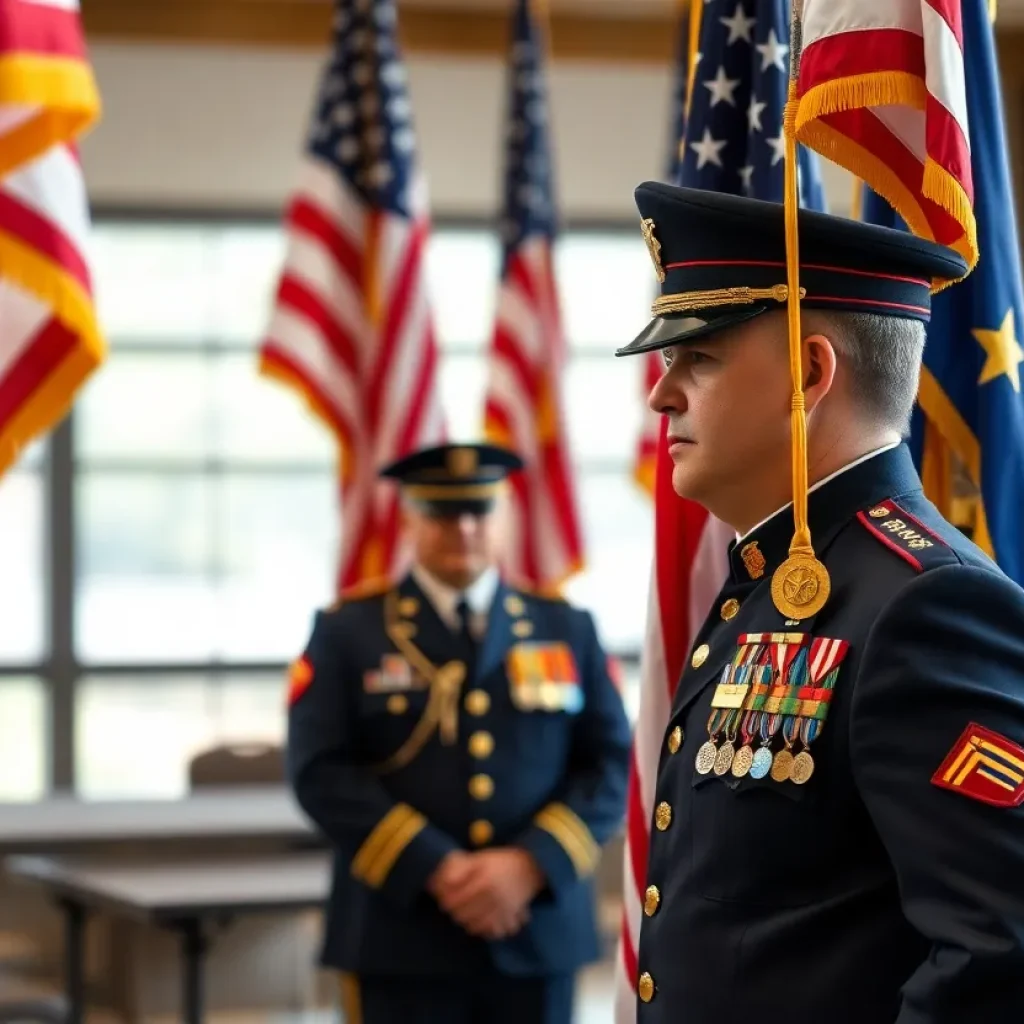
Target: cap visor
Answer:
pixel 663 331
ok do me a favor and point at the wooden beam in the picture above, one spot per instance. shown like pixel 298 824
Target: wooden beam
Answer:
pixel 439 30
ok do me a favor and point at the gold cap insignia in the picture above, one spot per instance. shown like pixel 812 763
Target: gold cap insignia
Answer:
pixel 653 247
pixel 753 560
pixel 879 512
pixel 462 462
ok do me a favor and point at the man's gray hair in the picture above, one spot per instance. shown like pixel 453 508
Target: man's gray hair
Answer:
pixel 882 359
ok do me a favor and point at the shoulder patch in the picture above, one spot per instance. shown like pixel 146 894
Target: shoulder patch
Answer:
pixel 905 535
pixel 300 676
pixel 361 591
pixel 985 766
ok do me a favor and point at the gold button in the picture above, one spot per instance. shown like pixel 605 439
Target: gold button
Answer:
pixel 480 832
pixel 675 740
pixel 481 787
pixel 398 704
pixel 652 900
pixel 700 656
pixel 645 987
pixel 523 628
pixel 481 745
pixel 514 605
pixel 730 609
pixel 663 816
pixel 478 702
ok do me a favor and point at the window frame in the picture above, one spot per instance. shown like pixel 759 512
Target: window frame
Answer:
pixel 61 669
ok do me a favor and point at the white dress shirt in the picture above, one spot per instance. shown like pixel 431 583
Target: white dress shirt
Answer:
pixel 821 483
pixel 445 599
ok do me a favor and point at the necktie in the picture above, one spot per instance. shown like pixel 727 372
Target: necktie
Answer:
pixel 465 616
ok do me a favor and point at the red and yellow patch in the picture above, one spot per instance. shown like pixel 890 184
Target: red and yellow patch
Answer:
pixel 984 766
pixel 300 675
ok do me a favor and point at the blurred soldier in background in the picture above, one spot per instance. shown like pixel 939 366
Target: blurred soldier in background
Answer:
pixel 461 744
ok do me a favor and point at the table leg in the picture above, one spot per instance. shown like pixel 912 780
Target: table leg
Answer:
pixel 74 960
pixel 194 945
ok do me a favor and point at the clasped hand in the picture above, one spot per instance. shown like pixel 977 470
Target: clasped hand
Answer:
pixel 487 892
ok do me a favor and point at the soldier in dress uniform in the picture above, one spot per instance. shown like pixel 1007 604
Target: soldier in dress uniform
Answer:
pixel 461 744
pixel 837 834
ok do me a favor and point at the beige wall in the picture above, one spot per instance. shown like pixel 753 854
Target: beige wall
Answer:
pixel 208 127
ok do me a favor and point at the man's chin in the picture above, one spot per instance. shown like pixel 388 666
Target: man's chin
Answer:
pixel 686 481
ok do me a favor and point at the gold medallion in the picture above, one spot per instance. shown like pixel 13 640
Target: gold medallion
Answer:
pixel 743 761
pixel 800 587
pixel 782 765
pixel 723 759
pixel 653 247
pixel 706 757
pixel 753 561
pixel 803 768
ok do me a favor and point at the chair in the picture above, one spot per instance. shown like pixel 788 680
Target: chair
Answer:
pixel 245 764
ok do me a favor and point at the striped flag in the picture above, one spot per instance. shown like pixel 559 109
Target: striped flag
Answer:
pixel 523 407
pixel 49 339
pixel 969 402
pixel 352 330
pixel 882 92
pixel 733 142
pixel 652 366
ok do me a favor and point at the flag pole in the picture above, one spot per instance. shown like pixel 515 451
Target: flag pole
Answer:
pixel 801 585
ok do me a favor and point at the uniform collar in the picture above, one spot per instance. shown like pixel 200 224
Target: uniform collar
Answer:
pixel 445 599
pixel 884 473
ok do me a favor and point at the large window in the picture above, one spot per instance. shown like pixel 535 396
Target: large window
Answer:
pixel 203 505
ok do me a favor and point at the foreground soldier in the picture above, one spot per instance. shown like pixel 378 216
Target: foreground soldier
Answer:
pixel 837 834
pixel 461 744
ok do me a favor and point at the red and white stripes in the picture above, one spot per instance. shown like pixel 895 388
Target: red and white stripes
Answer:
pixel 352 331
pixel 882 92
pixel 690 566
pixel 49 342
pixel 523 410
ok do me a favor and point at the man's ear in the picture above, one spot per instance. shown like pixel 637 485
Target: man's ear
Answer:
pixel 819 367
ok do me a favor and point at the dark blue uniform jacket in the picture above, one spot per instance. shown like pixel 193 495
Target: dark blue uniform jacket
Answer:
pixel 399 759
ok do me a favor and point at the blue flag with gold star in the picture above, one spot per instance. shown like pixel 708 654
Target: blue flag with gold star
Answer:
pixel 971 382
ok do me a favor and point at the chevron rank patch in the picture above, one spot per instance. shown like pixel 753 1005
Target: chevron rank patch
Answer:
pixel 904 535
pixel 300 675
pixel 984 766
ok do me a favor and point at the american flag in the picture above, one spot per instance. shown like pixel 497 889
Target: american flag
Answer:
pixel 523 407
pixel 352 329
pixel 49 339
pixel 882 92
pixel 652 364
pixel 733 142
